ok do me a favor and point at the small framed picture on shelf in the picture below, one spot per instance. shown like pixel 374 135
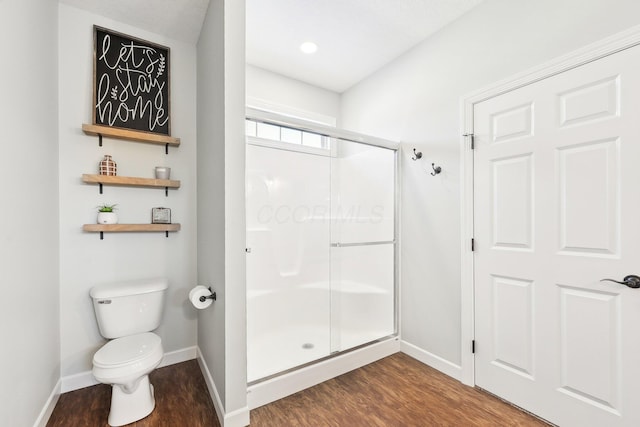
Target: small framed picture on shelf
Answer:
pixel 160 216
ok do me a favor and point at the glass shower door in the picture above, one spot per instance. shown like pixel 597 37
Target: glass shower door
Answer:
pixel 362 244
pixel 288 311
pixel 321 268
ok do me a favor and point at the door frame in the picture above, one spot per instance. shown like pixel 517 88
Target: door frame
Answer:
pixel 592 52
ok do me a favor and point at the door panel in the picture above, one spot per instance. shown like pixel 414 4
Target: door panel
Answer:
pixel 556 209
pixel 512 202
pixel 513 324
pixel 595 380
pixel 589 220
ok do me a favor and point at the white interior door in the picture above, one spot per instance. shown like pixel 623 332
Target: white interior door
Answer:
pixel 557 208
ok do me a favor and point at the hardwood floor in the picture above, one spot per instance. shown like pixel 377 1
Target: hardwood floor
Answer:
pixel 182 400
pixel 397 391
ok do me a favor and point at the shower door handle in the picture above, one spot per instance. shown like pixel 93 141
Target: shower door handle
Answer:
pixel 632 281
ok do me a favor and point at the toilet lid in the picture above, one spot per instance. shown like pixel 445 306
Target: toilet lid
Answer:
pixel 128 349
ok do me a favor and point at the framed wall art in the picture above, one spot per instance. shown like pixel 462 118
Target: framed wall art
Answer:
pixel 130 83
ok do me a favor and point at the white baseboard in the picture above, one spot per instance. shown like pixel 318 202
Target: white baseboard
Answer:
pixel 276 388
pixel 437 362
pixel 77 381
pixel 86 379
pixel 178 356
pixel 47 410
pixel 237 418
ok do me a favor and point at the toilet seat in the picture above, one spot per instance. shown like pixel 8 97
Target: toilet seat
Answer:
pixel 124 361
pixel 129 350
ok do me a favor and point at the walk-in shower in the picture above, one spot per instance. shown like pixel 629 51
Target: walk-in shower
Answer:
pixel 321 241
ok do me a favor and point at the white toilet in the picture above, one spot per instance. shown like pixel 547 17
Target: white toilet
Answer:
pixel 127 312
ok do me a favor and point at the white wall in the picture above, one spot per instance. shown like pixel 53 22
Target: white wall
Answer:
pixel 284 95
pixel 221 210
pixel 416 99
pixel 29 307
pixel 211 202
pixel 85 260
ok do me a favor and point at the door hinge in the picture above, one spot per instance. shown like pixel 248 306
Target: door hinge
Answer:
pixel 473 244
pixel 473 143
pixel 473 346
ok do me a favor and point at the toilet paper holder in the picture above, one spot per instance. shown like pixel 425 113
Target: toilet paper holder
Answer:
pixel 212 296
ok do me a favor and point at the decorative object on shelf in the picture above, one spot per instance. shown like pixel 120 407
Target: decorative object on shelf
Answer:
pixel 161 216
pixel 130 75
pixel 108 166
pixel 436 169
pixel 163 172
pixel 417 155
pixel 107 215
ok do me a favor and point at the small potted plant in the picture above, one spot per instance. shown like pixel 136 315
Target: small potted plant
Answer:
pixel 107 215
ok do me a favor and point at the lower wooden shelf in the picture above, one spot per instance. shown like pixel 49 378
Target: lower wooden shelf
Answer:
pixel 124 228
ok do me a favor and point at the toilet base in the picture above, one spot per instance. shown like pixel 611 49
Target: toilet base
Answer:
pixel 130 407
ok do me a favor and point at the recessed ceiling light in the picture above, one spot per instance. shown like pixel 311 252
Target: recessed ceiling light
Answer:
pixel 308 47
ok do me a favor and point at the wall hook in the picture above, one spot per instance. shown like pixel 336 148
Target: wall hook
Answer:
pixel 416 155
pixel 436 169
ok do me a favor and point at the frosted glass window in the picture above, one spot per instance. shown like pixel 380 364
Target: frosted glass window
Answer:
pixel 250 128
pixel 286 134
pixel 312 140
pixel 268 131
pixel 291 135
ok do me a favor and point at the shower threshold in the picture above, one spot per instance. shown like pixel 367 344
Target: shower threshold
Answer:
pixel 276 386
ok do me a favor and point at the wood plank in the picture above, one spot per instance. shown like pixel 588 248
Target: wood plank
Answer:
pixel 118 228
pixel 129 181
pixel 131 135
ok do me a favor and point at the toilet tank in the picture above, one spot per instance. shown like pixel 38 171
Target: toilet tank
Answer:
pixel 127 308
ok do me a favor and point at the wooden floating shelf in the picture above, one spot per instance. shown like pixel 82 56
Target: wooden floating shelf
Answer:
pixel 129 181
pixel 131 135
pixel 122 228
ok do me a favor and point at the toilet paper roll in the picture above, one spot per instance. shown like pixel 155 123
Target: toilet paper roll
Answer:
pixel 196 293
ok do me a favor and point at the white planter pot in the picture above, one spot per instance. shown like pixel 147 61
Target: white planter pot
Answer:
pixel 107 218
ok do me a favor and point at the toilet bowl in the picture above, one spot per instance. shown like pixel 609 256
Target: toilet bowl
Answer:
pixel 125 363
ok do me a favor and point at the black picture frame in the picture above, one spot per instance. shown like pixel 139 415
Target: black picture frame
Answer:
pixel 131 83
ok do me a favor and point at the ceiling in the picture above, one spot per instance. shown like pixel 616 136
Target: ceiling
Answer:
pixel 354 37
pixel 176 19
